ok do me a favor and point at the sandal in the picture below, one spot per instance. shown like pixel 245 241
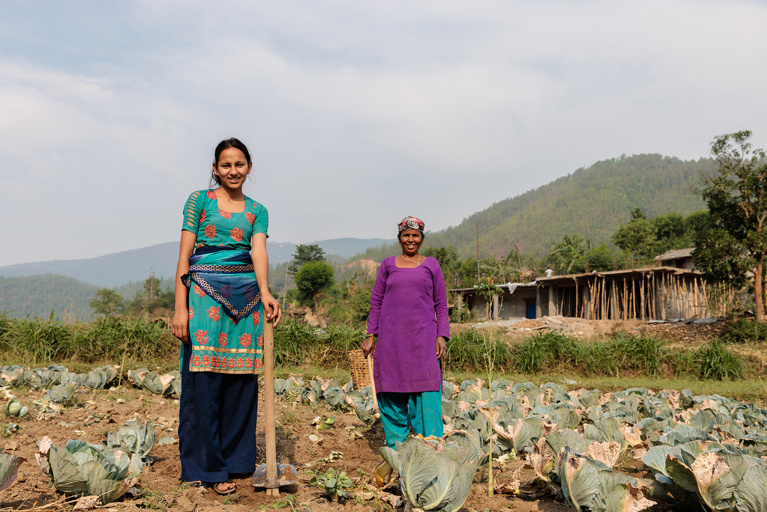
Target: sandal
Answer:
pixel 224 492
pixel 197 484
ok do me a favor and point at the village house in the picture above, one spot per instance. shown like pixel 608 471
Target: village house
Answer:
pixel 678 258
pixel 651 293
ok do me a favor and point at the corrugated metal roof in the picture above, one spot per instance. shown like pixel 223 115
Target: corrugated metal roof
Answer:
pixel 675 254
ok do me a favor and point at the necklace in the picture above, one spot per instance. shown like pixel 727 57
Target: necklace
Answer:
pixel 414 261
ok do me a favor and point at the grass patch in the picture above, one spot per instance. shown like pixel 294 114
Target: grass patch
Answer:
pixel 466 349
pixel 744 330
pixel 41 342
pixel 642 353
pixel 298 344
pixel 716 362
pixel 304 350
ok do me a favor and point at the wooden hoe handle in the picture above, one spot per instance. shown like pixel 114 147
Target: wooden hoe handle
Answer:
pixel 271 440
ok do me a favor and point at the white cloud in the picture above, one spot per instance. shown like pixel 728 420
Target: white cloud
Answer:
pixel 362 111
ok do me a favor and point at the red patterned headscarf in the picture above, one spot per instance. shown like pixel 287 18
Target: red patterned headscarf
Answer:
pixel 410 223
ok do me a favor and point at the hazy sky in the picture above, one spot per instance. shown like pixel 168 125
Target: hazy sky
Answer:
pixel 357 113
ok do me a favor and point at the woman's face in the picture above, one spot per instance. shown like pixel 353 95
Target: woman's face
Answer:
pixel 232 168
pixel 410 240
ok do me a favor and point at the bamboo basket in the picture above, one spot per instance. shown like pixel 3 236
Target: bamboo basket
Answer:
pixel 360 374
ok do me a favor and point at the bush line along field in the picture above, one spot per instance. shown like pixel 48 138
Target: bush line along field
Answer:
pixel 111 339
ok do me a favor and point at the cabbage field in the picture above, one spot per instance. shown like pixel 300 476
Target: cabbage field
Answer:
pixel 551 447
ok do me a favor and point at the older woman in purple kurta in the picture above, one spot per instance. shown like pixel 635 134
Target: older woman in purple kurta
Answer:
pixel 408 315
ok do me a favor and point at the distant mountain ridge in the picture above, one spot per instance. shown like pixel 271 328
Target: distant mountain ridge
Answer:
pixel 592 202
pixel 119 268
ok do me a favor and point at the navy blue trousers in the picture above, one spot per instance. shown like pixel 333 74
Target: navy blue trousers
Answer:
pixel 216 423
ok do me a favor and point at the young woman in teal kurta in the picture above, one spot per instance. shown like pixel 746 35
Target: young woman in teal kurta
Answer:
pixel 222 297
pixel 219 340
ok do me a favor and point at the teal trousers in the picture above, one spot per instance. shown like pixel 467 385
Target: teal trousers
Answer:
pixel 401 411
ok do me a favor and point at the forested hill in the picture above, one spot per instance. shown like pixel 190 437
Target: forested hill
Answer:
pixel 120 268
pixel 590 202
pixel 38 296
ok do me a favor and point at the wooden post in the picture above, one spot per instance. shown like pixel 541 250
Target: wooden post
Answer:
pixel 576 297
pixel 271 439
pixel 650 296
pixel 561 305
pixel 625 299
pixel 552 300
pixel 538 305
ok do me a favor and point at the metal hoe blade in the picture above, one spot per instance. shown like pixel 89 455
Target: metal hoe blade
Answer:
pixel 286 475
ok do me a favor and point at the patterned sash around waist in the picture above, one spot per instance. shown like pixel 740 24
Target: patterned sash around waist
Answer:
pixel 221 269
pixel 227 277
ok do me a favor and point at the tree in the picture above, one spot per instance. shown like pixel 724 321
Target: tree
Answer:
pixel 313 277
pixel 152 287
pixel 600 258
pixel 152 299
pixel 487 291
pixel 567 256
pixel 637 238
pixel 107 302
pixel 305 253
pixel 737 202
pixel 671 232
pixel 449 261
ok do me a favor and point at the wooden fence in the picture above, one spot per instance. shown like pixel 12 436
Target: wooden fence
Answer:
pixel 656 293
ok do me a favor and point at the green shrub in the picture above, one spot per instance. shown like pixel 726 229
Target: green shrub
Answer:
pixel 643 353
pixel 298 343
pixel 684 362
pixel 598 359
pixel 343 338
pixel 292 342
pixel 460 316
pixel 5 324
pixel 38 341
pixel 466 350
pixel 359 304
pixel 34 340
pixel 110 337
pixel 716 362
pixel 744 330
pixel 546 350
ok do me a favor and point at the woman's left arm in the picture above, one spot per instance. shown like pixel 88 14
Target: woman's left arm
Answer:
pixel 261 268
pixel 440 310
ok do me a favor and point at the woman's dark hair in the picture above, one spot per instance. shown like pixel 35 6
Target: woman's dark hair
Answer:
pixel 226 144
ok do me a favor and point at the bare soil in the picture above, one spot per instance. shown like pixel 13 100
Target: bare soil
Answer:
pixel 98 412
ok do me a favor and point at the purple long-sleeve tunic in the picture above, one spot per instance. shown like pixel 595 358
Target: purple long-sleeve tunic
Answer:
pixel 408 310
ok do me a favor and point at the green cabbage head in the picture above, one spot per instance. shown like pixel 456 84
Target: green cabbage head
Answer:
pixel 434 475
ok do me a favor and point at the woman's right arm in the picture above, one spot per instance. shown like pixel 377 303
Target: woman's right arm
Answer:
pixel 376 300
pixel 180 326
